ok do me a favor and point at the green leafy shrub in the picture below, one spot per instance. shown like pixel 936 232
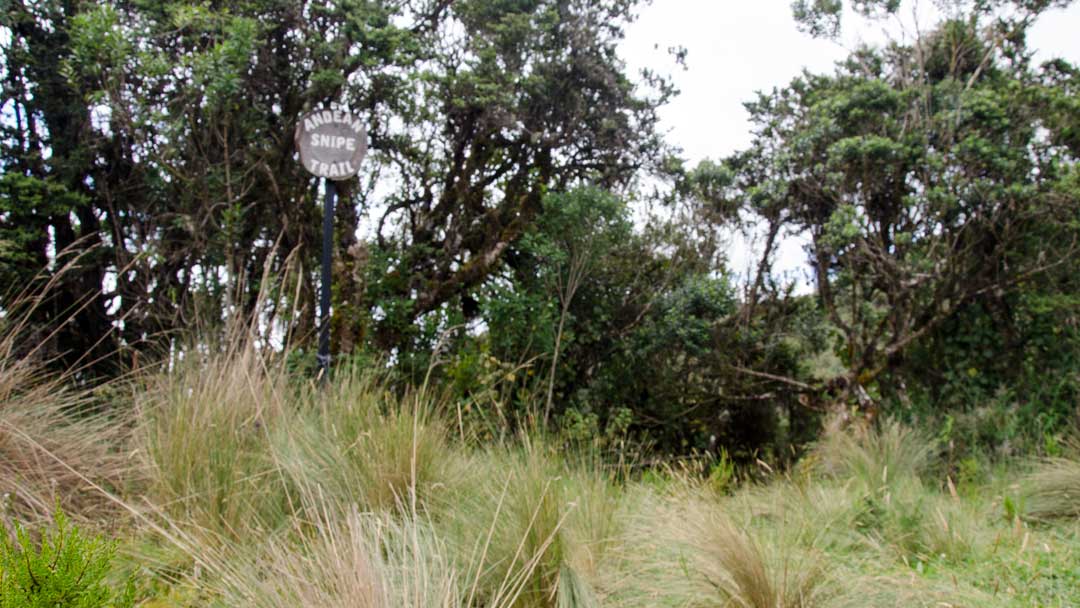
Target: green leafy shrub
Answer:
pixel 67 569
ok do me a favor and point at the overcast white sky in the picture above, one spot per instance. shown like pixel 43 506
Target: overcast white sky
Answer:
pixel 737 47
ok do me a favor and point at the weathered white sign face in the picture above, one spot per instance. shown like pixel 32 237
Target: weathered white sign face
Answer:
pixel 332 143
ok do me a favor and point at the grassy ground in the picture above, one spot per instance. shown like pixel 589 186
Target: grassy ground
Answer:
pixel 232 484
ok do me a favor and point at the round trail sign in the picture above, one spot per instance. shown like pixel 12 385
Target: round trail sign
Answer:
pixel 332 143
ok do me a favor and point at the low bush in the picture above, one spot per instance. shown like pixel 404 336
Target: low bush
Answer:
pixel 66 570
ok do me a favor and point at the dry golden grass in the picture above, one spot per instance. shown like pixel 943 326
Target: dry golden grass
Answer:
pixel 48 457
pixel 360 560
pixel 740 568
pixel 52 450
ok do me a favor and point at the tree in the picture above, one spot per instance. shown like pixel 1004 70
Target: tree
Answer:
pixel 523 98
pixel 928 177
pixel 46 193
pixel 160 135
pixel 654 339
pixel 202 102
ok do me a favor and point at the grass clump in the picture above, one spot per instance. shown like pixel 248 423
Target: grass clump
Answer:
pixel 741 570
pixel 202 433
pixel 48 455
pixel 387 451
pixel 507 521
pixel 691 547
pixel 56 445
pixel 337 554
pixel 1053 490
pixel 264 490
pixel 358 560
pixel 876 458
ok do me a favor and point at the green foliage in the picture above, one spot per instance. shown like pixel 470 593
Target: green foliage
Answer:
pixel 822 18
pixel 586 228
pixel 68 569
pixel 649 335
pixel 722 475
pixel 902 167
pixel 933 178
pixel 1003 400
pixel 819 17
pixel 188 109
pixel 26 204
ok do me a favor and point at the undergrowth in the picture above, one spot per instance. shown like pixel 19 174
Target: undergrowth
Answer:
pixel 238 483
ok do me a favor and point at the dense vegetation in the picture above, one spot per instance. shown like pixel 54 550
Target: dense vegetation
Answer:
pixel 550 389
pixel 521 221
pixel 236 483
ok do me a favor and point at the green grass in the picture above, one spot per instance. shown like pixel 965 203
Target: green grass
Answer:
pixel 243 486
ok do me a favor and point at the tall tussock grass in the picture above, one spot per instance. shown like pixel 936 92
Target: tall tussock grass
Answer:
pixel 253 486
pixel 524 505
pixel 55 445
pixel 386 450
pixel 344 557
pixel 350 560
pixel 690 549
pixel 1052 490
pixel 203 431
pixel 874 457
pixel 376 502
pixel 881 471
pixel 50 457
pixel 348 494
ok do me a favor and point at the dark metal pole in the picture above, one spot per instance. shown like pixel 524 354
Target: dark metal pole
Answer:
pixel 327 261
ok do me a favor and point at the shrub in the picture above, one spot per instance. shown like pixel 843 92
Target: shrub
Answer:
pixel 67 570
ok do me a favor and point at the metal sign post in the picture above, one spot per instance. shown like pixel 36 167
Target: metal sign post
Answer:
pixel 327 262
pixel 331 143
